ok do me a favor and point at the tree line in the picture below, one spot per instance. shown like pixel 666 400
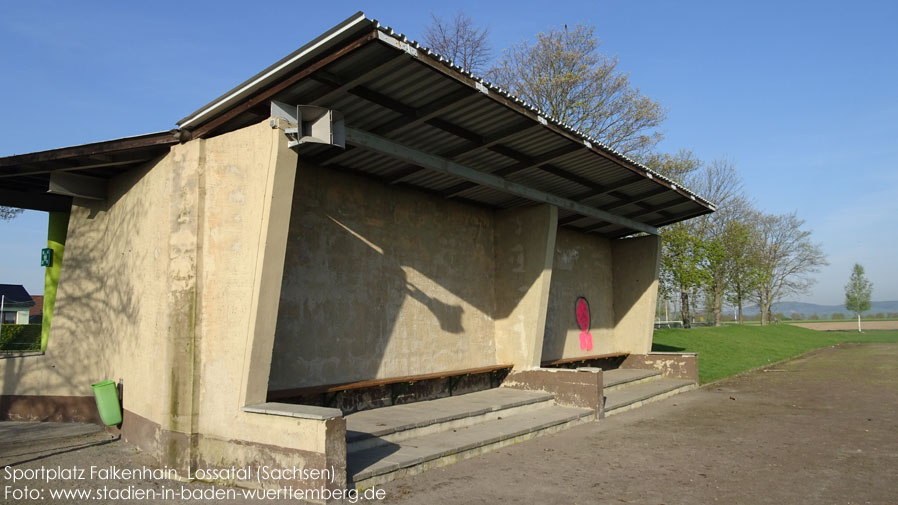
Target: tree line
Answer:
pixel 738 255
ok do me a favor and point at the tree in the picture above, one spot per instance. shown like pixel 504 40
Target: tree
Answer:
pixel 683 262
pixel 837 315
pixel 795 316
pixel 814 317
pixel 858 292
pixel 563 74
pixel 9 213
pixel 786 258
pixel 459 40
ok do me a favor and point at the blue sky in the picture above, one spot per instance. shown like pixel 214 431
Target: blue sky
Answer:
pixel 801 96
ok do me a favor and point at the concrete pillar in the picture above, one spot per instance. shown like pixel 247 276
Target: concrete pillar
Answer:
pixel 272 250
pixel 184 250
pixel 57 229
pixel 635 268
pixel 525 248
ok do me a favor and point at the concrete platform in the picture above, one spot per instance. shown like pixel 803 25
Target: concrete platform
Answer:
pixel 622 377
pixel 370 428
pixel 387 462
pixel 639 394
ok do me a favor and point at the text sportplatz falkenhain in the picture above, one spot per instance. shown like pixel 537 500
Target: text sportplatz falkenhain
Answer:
pixel 258 474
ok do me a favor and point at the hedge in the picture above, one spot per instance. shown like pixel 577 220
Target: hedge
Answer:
pixel 20 337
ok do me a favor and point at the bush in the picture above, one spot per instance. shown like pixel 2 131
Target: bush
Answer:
pixel 814 317
pixel 837 315
pixel 20 337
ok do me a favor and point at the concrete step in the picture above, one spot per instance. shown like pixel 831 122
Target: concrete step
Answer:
pixel 389 425
pixel 614 380
pixel 637 395
pixel 384 463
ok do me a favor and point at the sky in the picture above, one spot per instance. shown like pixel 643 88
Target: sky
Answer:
pixel 800 96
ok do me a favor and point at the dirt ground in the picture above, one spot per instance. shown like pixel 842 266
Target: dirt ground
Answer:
pixel 820 429
pixel 850 325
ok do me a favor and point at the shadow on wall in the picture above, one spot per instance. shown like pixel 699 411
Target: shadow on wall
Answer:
pixel 97 301
pixel 614 277
pixel 382 281
pixel 582 267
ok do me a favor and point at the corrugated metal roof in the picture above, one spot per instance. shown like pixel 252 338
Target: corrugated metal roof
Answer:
pixel 394 88
pixel 389 85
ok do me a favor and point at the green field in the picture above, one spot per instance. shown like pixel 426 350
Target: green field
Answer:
pixel 728 350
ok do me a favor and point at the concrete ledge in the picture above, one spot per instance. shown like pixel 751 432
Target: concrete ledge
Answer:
pixel 572 388
pixel 291 410
pixel 673 365
pixel 79 409
pixel 20 354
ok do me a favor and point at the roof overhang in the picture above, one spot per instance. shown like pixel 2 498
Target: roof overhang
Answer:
pixel 402 94
pixel 26 178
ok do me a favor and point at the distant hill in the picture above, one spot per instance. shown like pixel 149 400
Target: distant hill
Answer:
pixel 806 309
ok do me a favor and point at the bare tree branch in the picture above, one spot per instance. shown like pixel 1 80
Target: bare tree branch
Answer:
pixel 459 40
pixel 9 213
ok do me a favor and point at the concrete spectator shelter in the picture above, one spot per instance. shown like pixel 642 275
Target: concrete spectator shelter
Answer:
pixel 214 267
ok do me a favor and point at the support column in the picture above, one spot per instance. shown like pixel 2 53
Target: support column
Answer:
pixel 525 250
pixel 270 257
pixel 635 266
pixel 57 229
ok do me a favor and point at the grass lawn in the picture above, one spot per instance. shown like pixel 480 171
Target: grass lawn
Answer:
pixel 728 350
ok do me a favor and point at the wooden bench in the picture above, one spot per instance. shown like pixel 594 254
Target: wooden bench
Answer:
pixel 567 361
pixel 334 389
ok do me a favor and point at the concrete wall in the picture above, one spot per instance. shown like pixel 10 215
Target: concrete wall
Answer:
pixel 636 262
pixel 171 285
pixel 619 278
pixel 111 309
pixel 582 267
pixel 381 281
pixel 525 247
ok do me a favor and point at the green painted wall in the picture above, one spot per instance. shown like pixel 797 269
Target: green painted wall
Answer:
pixel 56 233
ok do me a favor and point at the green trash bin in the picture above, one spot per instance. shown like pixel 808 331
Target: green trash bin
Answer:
pixel 106 395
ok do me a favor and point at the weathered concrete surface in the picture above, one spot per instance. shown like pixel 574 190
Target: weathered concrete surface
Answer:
pixel 172 285
pixel 636 263
pixel 672 365
pixel 525 247
pixel 819 429
pixel 572 388
pixel 582 267
pixel 377 277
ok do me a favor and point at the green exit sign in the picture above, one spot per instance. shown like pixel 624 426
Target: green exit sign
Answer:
pixel 46 257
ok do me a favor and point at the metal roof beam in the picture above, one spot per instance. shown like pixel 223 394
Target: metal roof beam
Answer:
pixel 428 111
pixel 529 162
pixel 396 150
pixel 570 219
pixel 482 143
pixel 627 200
pixel 633 179
pixel 335 85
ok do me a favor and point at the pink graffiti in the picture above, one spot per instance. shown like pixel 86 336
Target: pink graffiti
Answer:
pixel 583 321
